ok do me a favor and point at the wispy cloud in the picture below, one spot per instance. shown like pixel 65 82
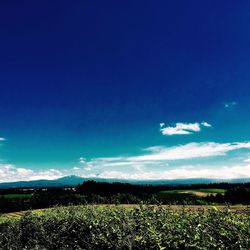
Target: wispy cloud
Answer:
pixel 161 158
pixel 2 139
pixel 247 158
pixel 82 160
pixel 10 173
pixel 183 128
pixel 162 124
pixel 186 172
pixel 230 104
pixel 156 163
pixel 189 151
pixel 190 160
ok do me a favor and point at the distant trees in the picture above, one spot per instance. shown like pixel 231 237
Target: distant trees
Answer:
pixel 92 192
pixel 235 195
pixel 108 189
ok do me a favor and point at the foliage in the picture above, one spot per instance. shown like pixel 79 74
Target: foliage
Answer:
pixel 117 227
pixel 236 195
pixel 91 192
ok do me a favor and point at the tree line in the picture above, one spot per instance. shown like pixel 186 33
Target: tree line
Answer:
pixel 92 192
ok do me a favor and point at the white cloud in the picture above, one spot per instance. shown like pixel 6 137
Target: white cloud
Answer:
pixel 161 156
pixel 9 173
pixel 162 124
pixel 154 149
pixel 108 159
pixel 2 139
pixel 157 162
pixel 206 124
pixel 230 104
pixel 183 128
pixel 225 172
pixel 82 160
pixel 189 151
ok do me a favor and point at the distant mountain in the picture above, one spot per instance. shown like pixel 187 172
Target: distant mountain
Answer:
pixel 67 181
pixel 72 180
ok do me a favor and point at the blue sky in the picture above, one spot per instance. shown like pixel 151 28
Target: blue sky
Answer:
pixel 134 89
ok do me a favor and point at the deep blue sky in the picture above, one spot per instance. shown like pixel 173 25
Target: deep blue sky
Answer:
pixel 95 78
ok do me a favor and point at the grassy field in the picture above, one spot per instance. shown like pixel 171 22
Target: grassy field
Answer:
pixel 196 192
pixel 13 196
pixel 206 191
pixel 127 227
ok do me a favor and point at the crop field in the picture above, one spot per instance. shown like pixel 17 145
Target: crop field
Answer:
pixel 194 192
pixel 241 209
pixel 128 227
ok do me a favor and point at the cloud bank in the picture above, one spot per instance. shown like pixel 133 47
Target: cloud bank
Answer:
pixel 188 172
pixel 157 162
pixel 9 173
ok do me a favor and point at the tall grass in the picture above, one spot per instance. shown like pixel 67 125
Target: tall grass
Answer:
pixel 144 227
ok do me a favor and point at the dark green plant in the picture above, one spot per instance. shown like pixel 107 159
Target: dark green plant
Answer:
pixel 119 227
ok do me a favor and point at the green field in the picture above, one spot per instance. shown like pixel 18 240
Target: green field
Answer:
pixel 206 191
pixel 13 196
pixel 126 227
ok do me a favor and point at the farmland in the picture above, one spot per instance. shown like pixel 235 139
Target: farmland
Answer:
pixel 195 192
pixel 241 209
pixel 13 196
pixel 127 227
pixel 124 216
pixel 90 192
pixel 206 191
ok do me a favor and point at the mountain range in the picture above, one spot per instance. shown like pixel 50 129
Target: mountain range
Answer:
pixel 72 180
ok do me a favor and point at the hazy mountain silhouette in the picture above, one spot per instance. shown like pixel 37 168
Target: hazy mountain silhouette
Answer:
pixel 73 180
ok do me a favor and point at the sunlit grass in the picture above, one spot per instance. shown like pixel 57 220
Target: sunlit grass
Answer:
pixel 127 227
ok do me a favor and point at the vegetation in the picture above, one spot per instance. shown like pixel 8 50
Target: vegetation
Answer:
pixel 116 227
pixel 90 192
pixel 212 190
pixel 124 227
pixel 13 196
